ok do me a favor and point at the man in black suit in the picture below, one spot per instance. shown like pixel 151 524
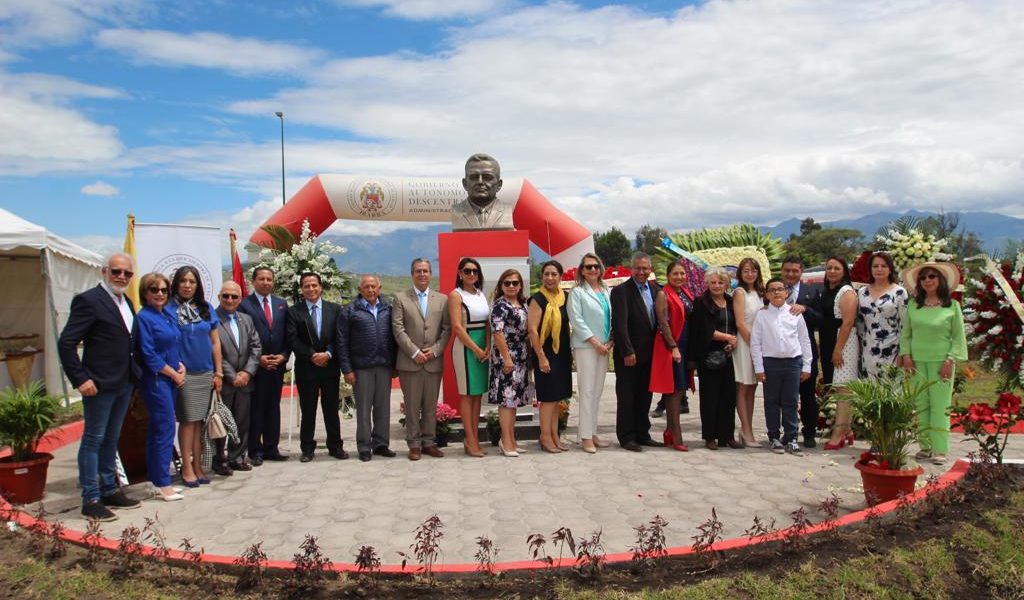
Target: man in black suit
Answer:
pixel 312 327
pixel 633 330
pixel 104 319
pixel 804 300
pixel 270 316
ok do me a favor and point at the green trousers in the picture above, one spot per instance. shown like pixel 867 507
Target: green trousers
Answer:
pixel 933 406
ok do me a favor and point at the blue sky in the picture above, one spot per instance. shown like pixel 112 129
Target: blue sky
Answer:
pixel 678 114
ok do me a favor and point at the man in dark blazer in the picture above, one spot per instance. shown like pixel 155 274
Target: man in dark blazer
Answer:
pixel 804 300
pixel 633 330
pixel 270 316
pixel 240 358
pixel 312 327
pixel 104 319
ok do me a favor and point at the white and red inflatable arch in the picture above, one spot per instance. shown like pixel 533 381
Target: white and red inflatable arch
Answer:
pixel 328 198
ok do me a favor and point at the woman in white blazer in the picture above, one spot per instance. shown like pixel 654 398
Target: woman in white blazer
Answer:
pixel 590 314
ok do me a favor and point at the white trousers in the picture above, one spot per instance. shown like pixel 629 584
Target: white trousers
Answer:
pixel 591 369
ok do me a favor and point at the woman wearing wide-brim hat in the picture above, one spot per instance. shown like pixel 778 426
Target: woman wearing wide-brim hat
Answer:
pixel 931 342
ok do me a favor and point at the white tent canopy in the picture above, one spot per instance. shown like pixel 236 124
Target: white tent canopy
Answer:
pixel 39 274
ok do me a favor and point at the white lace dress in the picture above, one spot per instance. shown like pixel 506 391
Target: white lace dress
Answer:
pixel 851 350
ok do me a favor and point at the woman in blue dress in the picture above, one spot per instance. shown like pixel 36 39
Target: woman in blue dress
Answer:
pixel 162 374
pixel 200 351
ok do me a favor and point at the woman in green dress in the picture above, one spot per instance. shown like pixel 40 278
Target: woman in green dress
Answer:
pixel 469 310
pixel 931 342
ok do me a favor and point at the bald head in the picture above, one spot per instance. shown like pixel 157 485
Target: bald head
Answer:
pixel 230 296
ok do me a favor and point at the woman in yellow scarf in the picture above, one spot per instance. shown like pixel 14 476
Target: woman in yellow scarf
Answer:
pixel 548 322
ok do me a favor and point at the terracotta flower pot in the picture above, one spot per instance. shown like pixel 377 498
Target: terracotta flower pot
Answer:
pixel 22 482
pixel 882 485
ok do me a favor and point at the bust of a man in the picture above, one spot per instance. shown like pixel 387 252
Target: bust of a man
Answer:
pixel 481 209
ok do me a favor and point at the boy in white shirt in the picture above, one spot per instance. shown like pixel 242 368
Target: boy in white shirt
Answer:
pixel 781 349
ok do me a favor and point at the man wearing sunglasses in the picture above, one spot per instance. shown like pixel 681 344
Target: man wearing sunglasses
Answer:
pixel 240 358
pixel 103 319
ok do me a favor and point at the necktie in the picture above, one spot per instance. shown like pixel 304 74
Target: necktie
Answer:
pixel 645 291
pixel 266 312
pixel 423 304
pixel 790 294
pixel 316 318
pixel 233 324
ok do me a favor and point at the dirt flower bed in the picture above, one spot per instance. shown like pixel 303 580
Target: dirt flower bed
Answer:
pixel 964 541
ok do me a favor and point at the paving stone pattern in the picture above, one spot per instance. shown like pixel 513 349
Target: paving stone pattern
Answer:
pixel 349 503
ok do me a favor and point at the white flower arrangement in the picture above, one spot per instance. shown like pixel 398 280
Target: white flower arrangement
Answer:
pixel 304 255
pixel 912 247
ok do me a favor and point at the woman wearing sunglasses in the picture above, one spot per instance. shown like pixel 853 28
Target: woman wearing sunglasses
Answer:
pixel 510 356
pixel 158 349
pixel 590 311
pixel 931 342
pixel 468 310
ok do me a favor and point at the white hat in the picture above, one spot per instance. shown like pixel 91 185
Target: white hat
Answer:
pixel 947 269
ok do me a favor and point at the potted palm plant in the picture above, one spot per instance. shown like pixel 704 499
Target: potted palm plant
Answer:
pixel 26 414
pixel 887 406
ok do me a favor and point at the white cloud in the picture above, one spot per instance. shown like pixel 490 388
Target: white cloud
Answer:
pixel 27 23
pixel 44 135
pixel 208 50
pixel 424 10
pixel 724 111
pixel 100 188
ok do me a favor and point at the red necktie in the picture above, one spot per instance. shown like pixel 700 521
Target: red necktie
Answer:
pixel 266 312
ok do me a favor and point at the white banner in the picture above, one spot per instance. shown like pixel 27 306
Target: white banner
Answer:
pixel 164 248
pixel 401 198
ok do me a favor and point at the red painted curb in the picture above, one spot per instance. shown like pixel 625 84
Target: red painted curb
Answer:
pixel 72 432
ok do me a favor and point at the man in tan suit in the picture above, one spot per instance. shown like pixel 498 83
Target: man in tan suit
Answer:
pixel 419 321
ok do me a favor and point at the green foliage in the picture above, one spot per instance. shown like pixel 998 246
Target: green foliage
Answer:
pixel 818 244
pixel 613 247
pixel 282 238
pixel 888 407
pixel 648 239
pixel 26 414
pixel 734 236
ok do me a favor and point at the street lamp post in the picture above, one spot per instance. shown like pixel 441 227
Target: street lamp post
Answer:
pixel 280 115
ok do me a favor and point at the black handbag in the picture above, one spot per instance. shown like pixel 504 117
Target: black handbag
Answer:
pixel 716 359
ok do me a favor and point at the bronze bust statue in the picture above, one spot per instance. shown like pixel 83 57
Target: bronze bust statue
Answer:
pixel 482 209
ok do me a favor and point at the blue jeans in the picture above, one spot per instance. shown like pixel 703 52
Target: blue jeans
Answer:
pixel 781 394
pixel 97 454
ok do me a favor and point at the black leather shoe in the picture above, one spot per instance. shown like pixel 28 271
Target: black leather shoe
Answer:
pixel 365 456
pixel 223 470
pixel 305 458
pixel 809 441
pixel 240 466
pixel 652 443
pixel 632 447
pixel 257 461
pixel 276 457
pixel 384 451
pixel 684 409
pixel 339 454
pixel 118 500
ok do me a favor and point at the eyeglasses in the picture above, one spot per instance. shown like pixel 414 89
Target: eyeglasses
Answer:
pixel 470 271
pixel 156 290
pixel 230 296
pixel 928 276
pixel 591 267
pixel 776 290
pixel 119 272
pixel 511 283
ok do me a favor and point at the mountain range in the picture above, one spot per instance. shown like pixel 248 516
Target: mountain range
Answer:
pixel 994 229
pixel 391 253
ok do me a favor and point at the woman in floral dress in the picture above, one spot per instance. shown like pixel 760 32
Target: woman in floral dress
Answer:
pixel 509 356
pixel 882 307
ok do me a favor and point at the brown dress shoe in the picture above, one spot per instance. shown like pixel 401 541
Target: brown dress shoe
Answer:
pixel 414 454
pixel 433 451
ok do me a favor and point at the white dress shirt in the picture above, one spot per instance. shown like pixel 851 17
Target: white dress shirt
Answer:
pixel 122 305
pixel 778 333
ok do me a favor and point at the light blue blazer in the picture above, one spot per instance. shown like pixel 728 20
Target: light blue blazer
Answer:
pixel 587 316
